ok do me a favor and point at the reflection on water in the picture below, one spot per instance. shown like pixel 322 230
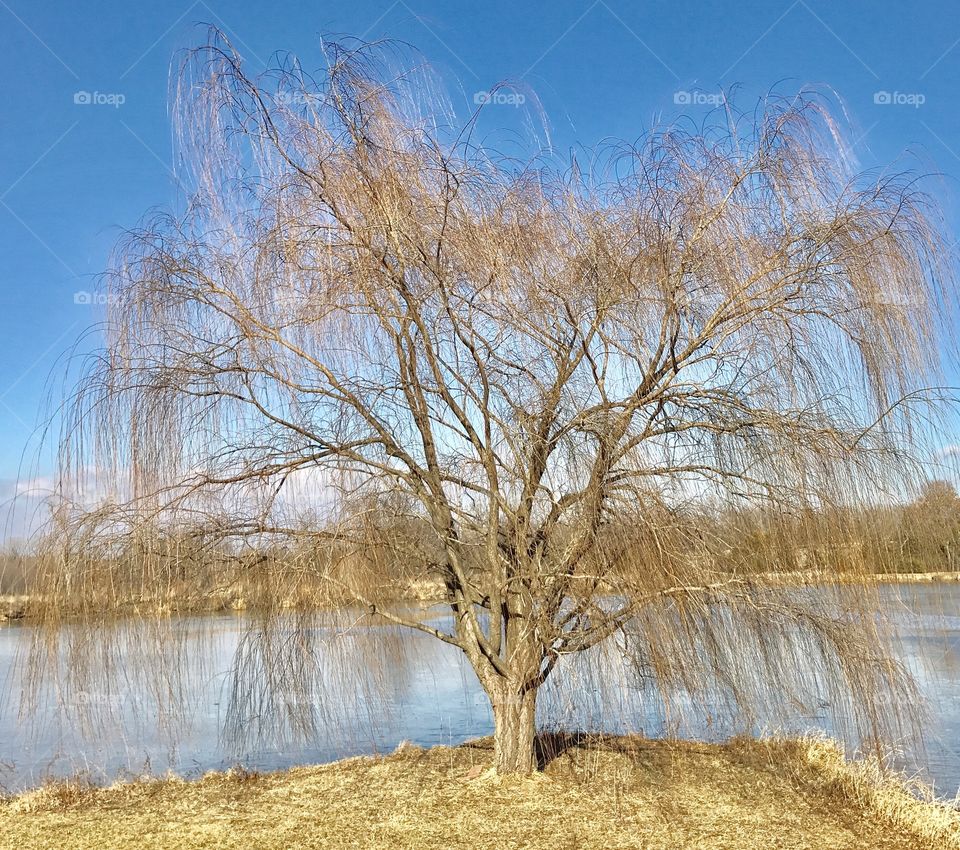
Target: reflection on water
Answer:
pixel 367 689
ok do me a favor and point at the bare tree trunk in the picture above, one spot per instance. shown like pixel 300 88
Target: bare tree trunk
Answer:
pixel 514 718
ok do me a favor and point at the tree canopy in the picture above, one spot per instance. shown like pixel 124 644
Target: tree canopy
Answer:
pixel 370 335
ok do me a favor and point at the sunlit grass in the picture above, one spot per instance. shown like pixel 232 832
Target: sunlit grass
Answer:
pixel 600 793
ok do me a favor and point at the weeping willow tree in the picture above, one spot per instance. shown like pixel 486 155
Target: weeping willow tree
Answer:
pixel 374 352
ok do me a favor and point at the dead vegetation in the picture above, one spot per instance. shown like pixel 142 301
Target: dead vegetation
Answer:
pixel 596 793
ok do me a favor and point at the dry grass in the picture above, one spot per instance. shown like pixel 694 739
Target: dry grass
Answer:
pixel 882 796
pixel 613 793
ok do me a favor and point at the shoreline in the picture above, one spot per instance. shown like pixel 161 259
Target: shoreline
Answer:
pixel 16 608
pixel 609 792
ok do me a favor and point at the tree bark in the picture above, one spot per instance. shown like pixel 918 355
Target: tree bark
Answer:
pixel 514 719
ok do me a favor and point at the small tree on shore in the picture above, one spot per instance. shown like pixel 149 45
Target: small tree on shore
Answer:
pixel 513 380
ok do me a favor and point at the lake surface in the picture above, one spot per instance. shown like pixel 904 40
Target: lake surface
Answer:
pixel 107 712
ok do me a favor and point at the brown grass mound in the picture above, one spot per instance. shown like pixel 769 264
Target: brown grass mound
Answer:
pixel 601 793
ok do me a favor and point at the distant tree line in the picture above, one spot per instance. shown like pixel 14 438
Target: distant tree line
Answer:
pixel 315 568
pixel 919 536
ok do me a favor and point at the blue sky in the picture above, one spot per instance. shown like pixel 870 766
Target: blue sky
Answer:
pixel 86 143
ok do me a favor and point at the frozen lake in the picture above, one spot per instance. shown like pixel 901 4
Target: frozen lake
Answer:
pixel 415 688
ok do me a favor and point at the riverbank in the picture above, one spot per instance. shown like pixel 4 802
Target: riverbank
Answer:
pixel 24 608
pixel 617 792
pixel 16 608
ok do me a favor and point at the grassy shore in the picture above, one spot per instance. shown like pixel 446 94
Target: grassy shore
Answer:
pixel 613 793
pixel 25 608
pixel 21 607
